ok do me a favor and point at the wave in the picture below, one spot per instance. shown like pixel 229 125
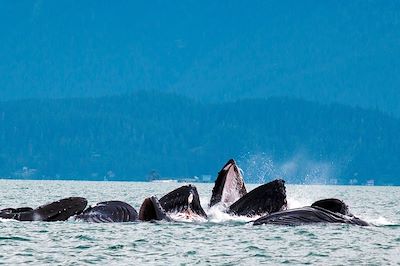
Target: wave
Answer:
pixel 218 214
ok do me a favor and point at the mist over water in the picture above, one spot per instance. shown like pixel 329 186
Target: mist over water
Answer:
pixel 222 239
pixel 261 168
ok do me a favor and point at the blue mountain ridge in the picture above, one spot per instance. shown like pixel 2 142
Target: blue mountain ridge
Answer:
pixel 127 137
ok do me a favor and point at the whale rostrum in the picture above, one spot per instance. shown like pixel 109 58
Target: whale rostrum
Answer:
pixel 229 185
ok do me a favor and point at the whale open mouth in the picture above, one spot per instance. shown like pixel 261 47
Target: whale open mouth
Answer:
pixel 229 185
pixel 184 201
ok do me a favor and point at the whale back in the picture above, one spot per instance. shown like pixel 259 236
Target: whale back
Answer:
pixel 12 213
pixel 151 210
pixel 59 210
pixel 229 185
pixel 307 215
pixel 267 198
pixel 183 199
pixel 109 212
pixel 16 210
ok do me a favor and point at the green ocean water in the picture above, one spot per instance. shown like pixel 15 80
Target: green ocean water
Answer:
pixel 222 240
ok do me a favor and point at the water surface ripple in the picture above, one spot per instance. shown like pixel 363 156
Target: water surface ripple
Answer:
pixel 221 241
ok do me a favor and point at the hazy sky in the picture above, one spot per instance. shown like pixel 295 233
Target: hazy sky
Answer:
pixel 205 49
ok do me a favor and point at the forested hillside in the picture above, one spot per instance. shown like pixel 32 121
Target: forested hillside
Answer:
pixel 126 137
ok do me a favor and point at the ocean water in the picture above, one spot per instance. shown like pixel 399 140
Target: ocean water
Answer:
pixel 222 240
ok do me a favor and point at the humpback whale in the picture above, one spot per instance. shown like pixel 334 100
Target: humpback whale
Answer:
pixel 229 185
pixel 59 210
pixel 230 190
pixel 151 210
pixel 183 200
pixel 267 198
pixel 109 212
pixel 332 213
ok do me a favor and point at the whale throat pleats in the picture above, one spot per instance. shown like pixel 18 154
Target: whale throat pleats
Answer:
pixel 109 212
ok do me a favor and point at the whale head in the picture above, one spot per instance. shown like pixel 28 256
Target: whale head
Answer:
pixel 229 185
pixel 59 210
pixel 265 199
pixel 151 210
pixel 333 205
pixel 183 200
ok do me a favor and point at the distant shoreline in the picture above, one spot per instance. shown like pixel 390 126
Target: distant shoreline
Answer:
pixel 177 181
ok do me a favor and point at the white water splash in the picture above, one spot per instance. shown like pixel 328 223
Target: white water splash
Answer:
pixel 300 168
pixel 2 220
pixel 380 221
pixel 218 214
pixel 295 203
